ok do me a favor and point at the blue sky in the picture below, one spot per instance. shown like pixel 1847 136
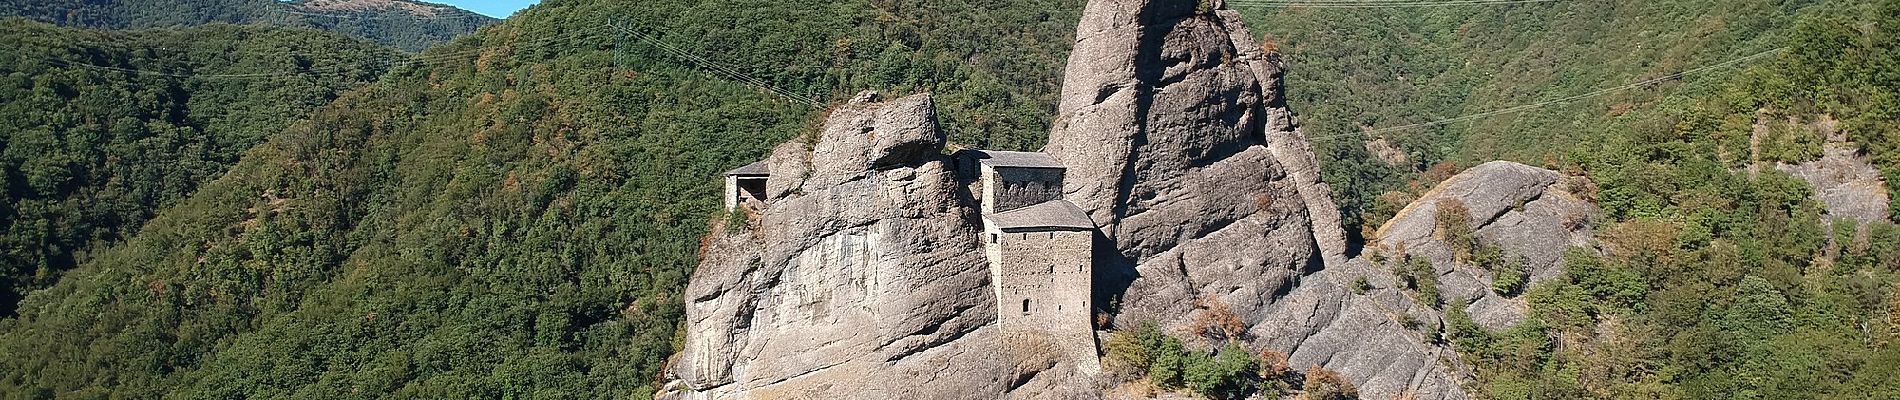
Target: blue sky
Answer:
pixel 492 8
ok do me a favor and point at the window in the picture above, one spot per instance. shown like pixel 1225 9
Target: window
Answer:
pixel 1025 306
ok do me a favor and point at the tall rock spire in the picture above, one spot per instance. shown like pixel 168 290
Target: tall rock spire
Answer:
pixel 1160 90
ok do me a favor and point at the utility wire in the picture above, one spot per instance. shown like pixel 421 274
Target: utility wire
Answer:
pixel 717 67
pixel 466 15
pixel 1526 107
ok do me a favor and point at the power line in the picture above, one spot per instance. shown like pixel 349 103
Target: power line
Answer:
pixel 1380 4
pixel 1599 92
pixel 464 15
pixel 709 64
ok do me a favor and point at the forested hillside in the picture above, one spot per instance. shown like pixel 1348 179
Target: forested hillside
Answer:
pixel 99 131
pixel 1718 275
pixel 518 222
pixel 1358 73
pixel 409 25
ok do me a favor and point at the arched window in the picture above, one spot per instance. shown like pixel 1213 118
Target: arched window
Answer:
pixel 1025 305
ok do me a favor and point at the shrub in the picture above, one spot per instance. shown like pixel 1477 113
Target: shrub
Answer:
pixel 736 220
pixel 1423 277
pixel 1217 321
pixel 1324 384
pixel 1453 226
pixel 1510 278
pixel 1224 375
pixel 1170 363
pixel 1274 367
pixel 1125 354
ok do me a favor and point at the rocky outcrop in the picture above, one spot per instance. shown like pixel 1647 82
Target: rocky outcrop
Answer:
pixel 866 278
pixel 1845 182
pixel 1174 126
pixel 1523 210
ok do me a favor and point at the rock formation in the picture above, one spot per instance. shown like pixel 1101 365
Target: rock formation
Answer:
pixel 864 274
pixel 863 278
pixel 1523 210
pixel 1845 182
pixel 1179 142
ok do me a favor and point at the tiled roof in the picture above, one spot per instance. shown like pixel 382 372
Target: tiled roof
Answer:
pixel 753 169
pixel 1057 214
pixel 1018 159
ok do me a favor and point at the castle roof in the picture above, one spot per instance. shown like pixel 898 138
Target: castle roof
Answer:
pixel 1051 215
pixel 753 169
pixel 1018 159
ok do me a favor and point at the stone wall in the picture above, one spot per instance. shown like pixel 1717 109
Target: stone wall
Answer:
pixel 1043 286
pixel 740 190
pixel 1009 188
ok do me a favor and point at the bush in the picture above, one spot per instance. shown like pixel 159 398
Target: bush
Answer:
pixel 1510 278
pixel 1217 321
pixel 1170 363
pixel 1227 374
pixel 1324 384
pixel 1124 354
pixel 1425 279
pixel 1453 226
pixel 1274 367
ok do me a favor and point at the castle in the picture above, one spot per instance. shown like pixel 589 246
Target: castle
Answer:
pixel 1039 246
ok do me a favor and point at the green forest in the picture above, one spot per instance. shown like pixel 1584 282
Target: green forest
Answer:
pixel 384 22
pixel 226 211
pixel 105 129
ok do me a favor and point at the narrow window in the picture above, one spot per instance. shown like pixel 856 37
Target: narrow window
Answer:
pixel 1025 306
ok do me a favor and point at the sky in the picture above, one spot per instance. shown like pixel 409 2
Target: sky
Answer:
pixel 492 8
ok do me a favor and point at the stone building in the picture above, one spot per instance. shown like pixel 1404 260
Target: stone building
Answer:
pixel 746 184
pixel 1011 179
pixel 1042 275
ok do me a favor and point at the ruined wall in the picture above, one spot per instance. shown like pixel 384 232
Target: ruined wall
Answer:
pixel 1009 188
pixel 1043 283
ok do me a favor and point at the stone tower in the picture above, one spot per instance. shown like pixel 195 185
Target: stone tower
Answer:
pixel 1039 251
pixel 1011 179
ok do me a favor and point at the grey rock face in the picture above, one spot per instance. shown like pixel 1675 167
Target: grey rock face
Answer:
pixel 1163 133
pixel 1178 140
pixel 865 275
pixel 1844 181
pixel 866 281
pixel 1519 208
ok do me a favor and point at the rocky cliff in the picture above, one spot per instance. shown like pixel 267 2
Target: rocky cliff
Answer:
pixel 1180 143
pixel 863 276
